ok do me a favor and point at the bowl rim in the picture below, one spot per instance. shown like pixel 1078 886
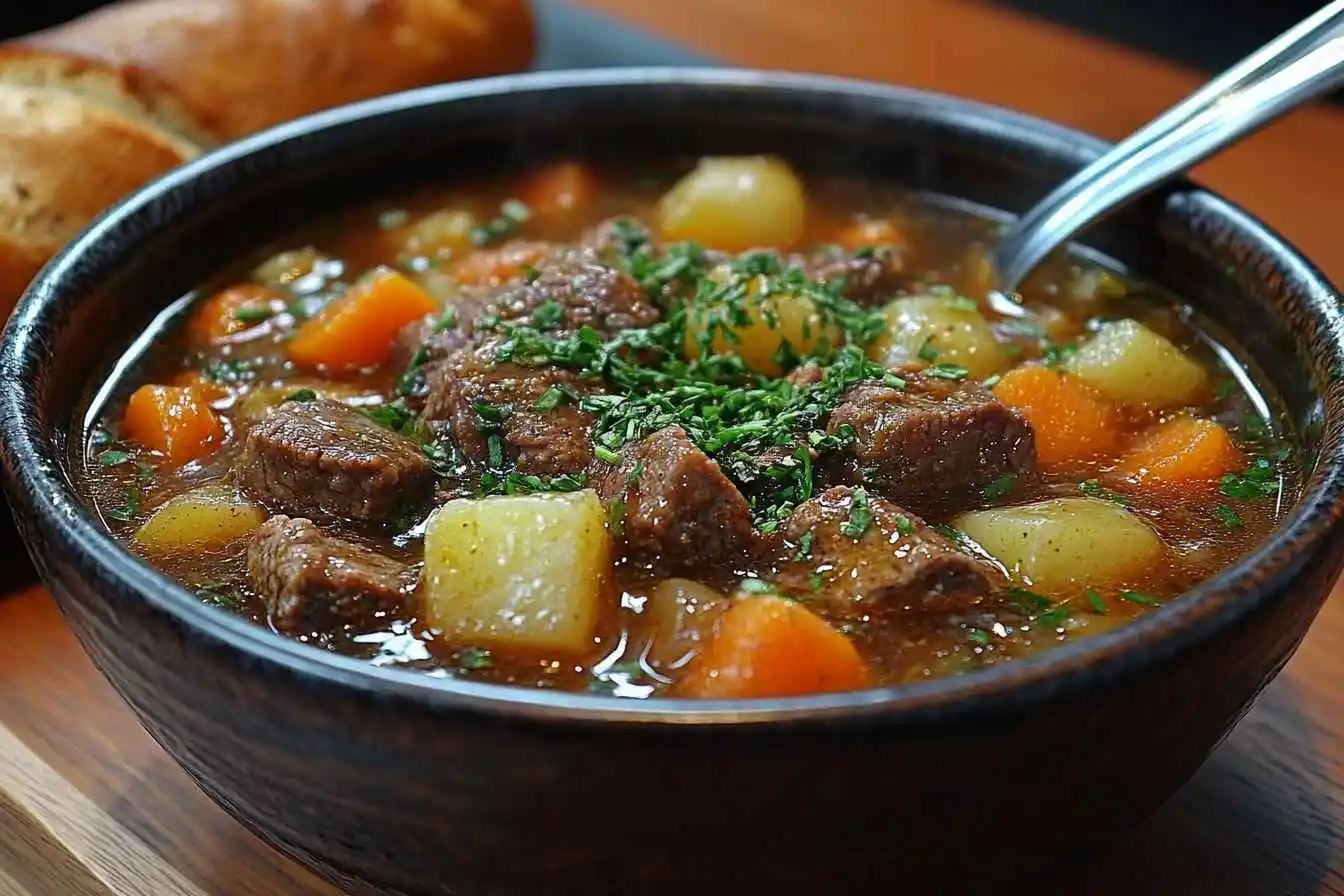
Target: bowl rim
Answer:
pixel 37 484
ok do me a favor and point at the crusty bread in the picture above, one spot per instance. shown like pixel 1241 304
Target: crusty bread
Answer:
pixel 103 83
pixel 243 65
pixel 62 161
pixel 96 107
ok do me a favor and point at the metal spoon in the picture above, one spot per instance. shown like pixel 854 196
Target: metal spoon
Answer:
pixel 1301 64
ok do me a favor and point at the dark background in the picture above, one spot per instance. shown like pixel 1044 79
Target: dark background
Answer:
pixel 1208 34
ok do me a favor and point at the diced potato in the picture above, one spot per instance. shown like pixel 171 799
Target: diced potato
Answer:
pixel 288 267
pixel 681 613
pixel 1131 364
pixel 1060 546
pixel 946 329
pixel 208 517
pixel 735 204
pixel 771 321
pixel 518 570
pixel 443 232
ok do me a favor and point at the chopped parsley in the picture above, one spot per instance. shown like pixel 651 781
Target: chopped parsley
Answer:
pixel 1029 603
pixel 1000 486
pixel 219 594
pixel 393 415
pixel 516 483
pixel 1094 598
pixel 1094 489
pixel 550 399
pixel 230 370
pixel 511 217
pixel 979 636
pixel 475 659
pixel 1138 597
pixel 904 525
pixel 252 314
pixel 804 548
pixel 1258 481
pixel 1228 517
pixel 954 372
pixel 447 320
pixel 548 315
pixel 860 515
pixel 112 458
pixel 129 510
pixel 302 395
pixel 927 352
pixel 1054 354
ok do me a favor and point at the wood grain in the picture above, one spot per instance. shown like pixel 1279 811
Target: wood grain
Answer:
pixel 1265 817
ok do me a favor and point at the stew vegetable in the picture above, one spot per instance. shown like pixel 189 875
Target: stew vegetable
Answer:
pixel 730 434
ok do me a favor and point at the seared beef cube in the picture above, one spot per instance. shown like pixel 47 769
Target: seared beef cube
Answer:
pixel 863 554
pixel 314 457
pixel 870 277
pixel 310 581
pixel 679 512
pixel 588 294
pixel 935 437
pixel 480 397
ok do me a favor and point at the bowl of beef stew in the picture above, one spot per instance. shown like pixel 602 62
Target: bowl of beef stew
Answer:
pixel 433 474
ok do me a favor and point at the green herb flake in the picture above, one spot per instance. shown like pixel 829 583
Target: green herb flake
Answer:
pixel 979 636
pixel 1094 489
pixel 1138 597
pixel 804 551
pixel 1258 481
pixel 860 515
pixel 129 510
pixel 606 455
pixel 927 352
pixel 1056 354
pixel 447 320
pixel 1228 517
pixel 548 315
pixel 550 399
pixel 1094 599
pixel 302 395
pixel 815 581
pixel 512 215
pixel 1000 487
pixel 252 314
pixel 111 458
pixel 954 372
pixel 962 303
pixel 1029 603
pixel 1227 387
pixel 219 594
pixel 904 525
pixel 475 659
pixel 756 586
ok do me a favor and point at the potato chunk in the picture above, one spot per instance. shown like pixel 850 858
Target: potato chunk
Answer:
pixel 1131 364
pixel 1060 546
pixel 735 204
pixel 770 322
pixel 922 330
pixel 205 518
pixel 518 570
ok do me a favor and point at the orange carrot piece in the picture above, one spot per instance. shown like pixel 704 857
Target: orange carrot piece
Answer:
pixel 218 317
pixel 175 421
pixel 771 647
pixel 872 232
pixel 1184 451
pixel 492 267
pixel 557 188
pixel 357 329
pixel 1073 424
pixel 209 390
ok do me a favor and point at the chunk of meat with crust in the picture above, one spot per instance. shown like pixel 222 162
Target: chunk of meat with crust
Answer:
pixel 680 512
pixel 933 438
pixel 543 442
pixel 311 581
pixel 894 562
pixel 324 457
pixel 590 293
pixel 870 277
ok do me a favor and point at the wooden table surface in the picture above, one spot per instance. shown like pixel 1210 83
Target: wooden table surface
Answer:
pixel 1265 816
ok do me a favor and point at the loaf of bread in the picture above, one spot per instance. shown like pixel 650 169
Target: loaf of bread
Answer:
pixel 94 108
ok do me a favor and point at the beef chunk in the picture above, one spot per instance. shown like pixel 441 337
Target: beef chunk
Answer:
pixel 313 457
pixel 877 556
pixel 935 437
pixel 588 292
pixel 543 441
pixel 870 277
pixel 310 581
pixel 680 512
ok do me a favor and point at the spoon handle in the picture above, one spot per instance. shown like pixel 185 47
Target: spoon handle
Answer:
pixel 1301 64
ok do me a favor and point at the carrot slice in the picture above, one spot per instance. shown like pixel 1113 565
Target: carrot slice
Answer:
pixel 209 390
pixel 561 187
pixel 491 267
pixel 771 647
pixel 175 421
pixel 872 232
pixel 1073 424
pixel 357 329
pixel 1183 452
pixel 226 312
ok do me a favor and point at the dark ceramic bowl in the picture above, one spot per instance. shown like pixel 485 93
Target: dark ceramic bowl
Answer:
pixel 388 781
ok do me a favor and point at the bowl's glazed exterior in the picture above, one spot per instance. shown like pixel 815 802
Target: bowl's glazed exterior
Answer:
pixel 396 783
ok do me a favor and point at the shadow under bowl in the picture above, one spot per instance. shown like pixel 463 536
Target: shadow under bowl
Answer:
pixel 392 782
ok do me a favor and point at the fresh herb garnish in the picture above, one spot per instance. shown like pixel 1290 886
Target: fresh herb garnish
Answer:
pixel 927 352
pixel 230 370
pixel 447 320
pixel 1227 387
pixel 393 415
pixel 1055 354
pixel 129 510
pixel 1094 598
pixel 112 458
pixel 1138 597
pixel 1228 517
pixel 954 372
pixel 1000 486
pixel 511 217
pixel 1029 603
pixel 219 594
pixel 550 399
pixel 1258 481
pixel 860 515
pixel 979 636
pixel 548 315
pixel 302 395
pixel 756 586
pixel 252 314
pixel 1094 489
pixel 904 525
pixel 804 548
pixel 475 659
